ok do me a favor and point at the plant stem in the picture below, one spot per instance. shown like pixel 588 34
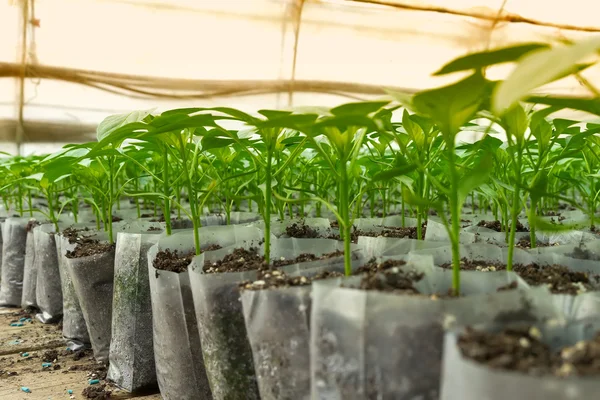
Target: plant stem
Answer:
pixel 344 213
pixel 267 211
pixel 455 215
pixel 166 191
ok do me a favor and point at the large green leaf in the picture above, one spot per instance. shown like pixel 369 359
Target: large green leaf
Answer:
pixel 453 105
pixel 515 122
pixel 539 68
pixel 491 57
pixel 591 105
pixel 111 123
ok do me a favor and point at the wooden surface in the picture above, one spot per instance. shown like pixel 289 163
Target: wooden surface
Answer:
pixel 36 338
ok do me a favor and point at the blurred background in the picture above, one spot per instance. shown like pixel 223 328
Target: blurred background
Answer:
pixel 67 64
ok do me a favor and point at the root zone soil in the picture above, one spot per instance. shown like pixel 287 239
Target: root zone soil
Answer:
pixel 522 349
pixel 172 260
pixel 86 246
pixel 497 226
pixel 558 278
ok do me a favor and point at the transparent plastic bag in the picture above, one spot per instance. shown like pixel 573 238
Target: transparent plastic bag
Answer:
pixel 178 352
pixel 367 344
pixel 131 348
pixel 49 295
pixel 14 236
pixel 465 379
pixel 29 274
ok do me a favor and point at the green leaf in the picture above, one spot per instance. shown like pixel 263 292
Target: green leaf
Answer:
pixel 271 114
pixel 394 172
pixel 538 188
pixel 543 225
pixel 515 122
pixel 492 57
pixel 591 105
pixel 214 142
pixel 358 108
pixel 414 130
pixel 539 68
pixel 111 123
pixel 475 177
pixel 454 105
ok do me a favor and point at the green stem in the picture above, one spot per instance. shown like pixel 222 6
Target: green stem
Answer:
pixel 532 213
pixel 166 190
pixel 191 196
pixel 267 215
pixel 455 215
pixel 345 224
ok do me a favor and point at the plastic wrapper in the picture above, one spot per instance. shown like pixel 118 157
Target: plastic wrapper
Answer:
pixel 227 351
pixel 29 274
pixel 277 323
pixel 131 348
pixel 178 352
pixel 465 379
pixel 93 278
pixel 14 234
pixel 49 295
pixel 368 344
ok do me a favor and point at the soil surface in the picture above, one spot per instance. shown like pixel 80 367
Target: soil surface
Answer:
pixel 276 279
pixel 522 349
pixel 305 257
pixel 167 260
pixel 240 260
pixel 497 226
pixel 31 224
pixel 86 246
pixel 395 232
pixel 558 278
pixel 301 230
pixel 525 243
pixel 373 266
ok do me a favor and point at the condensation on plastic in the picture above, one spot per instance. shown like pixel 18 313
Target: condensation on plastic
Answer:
pixel 367 344
pixel 49 295
pixel 178 353
pixel 131 348
pixel 277 324
pixel 14 235
pixel 93 278
pixel 465 379
pixel 29 274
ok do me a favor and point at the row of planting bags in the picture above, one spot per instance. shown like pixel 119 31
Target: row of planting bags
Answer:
pixel 191 333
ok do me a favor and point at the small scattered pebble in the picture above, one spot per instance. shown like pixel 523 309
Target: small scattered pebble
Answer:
pixel 25 389
pixel 94 381
pixel 24 354
pixel 46 365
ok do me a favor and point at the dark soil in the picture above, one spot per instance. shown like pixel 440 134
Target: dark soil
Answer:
pixel 31 224
pixel 50 356
pixel 116 219
pixel 497 226
pixel 300 230
pixel 559 278
pixel 154 229
pixel 97 392
pixel 373 266
pixel 306 257
pixel 167 260
pixel 146 215
pixel 525 243
pixel 86 246
pixel 395 232
pixel 522 349
pixel 239 261
pixel 398 282
pixel 583 254
pixel 277 279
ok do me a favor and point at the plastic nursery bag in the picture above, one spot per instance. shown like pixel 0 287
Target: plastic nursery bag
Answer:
pixel 131 349
pixel 277 323
pixel 93 282
pixel 74 327
pixel 14 236
pixel 436 231
pixel 49 296
pixel 573 306
pixel 278 228
pixel 178 355
pixel 227 351
pixel 29 273
pixel 389 246
pixel 466 379
pixel 367 344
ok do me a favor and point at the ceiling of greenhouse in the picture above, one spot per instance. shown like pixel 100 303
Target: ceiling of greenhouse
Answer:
pixel 86 59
